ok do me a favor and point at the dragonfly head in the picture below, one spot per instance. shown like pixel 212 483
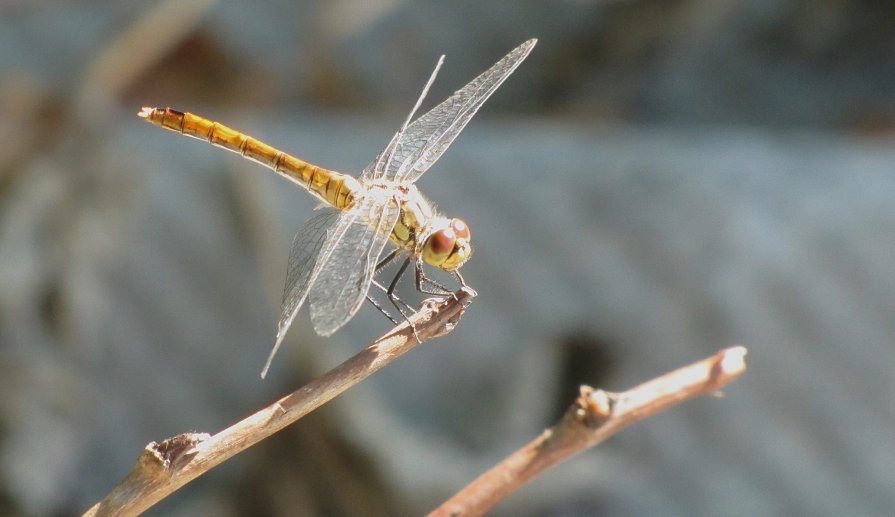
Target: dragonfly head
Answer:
pixel 448 246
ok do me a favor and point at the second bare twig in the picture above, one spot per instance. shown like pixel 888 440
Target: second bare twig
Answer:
pixel 595 416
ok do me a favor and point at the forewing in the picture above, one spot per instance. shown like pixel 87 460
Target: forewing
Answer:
pixel 351 253
pixel 376 169
pixel 414 150
pixel 299 274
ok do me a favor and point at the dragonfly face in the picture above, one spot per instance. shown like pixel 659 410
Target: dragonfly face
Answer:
pixel 337 253
pixel 448 246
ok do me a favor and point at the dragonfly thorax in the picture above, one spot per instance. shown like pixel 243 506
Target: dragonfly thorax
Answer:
pixel 440 241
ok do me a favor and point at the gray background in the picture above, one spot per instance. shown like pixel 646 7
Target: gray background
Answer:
pixel 659 180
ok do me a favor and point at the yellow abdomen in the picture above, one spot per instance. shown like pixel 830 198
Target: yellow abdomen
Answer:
pixel 335 188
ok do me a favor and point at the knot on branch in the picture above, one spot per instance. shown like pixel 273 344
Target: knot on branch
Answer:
pixel 173 453
pixel 593 406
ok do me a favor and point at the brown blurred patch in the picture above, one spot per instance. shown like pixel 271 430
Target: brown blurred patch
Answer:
pixel 584 358
pixel 311 469
pixel 199 72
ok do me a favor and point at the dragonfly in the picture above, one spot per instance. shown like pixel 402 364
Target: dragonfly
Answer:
pixel 336 255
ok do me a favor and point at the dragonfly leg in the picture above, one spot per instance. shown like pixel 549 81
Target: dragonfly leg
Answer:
pixel 461 280
pixel 387 260
pixel 393 297
pixel 426 285
pixel 379 267
pixel 404 305
pixel 381 309
pixel 390 292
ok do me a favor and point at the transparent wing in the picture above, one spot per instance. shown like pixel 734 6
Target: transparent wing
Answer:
pixel 377 167
pixel 414 149
pixel 348 260
pixel 302 258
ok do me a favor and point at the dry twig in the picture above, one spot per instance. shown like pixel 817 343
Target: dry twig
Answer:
pixel 163 468
pixel 595 416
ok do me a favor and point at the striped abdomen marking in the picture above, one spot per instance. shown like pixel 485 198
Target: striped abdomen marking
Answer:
pixel 335 188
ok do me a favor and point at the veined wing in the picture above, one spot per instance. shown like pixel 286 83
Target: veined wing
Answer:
pixel 414 149
pixel 348 260
pixel 299 274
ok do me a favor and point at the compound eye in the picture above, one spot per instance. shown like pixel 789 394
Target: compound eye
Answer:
pixel 461 231
pixel 442 242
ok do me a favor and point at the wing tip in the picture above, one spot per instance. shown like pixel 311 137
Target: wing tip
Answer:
pixel 281 335
pixel 529 44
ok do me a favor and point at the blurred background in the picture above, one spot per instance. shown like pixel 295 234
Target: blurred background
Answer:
pixel 657 181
